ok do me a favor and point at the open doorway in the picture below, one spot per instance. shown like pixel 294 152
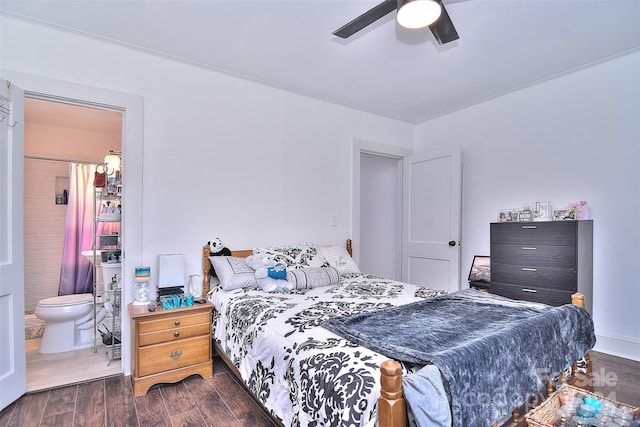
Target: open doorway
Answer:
pixel 58 135
pixel 377 207
pixel 380 215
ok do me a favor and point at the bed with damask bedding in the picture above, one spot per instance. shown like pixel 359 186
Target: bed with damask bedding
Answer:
pixel 309 357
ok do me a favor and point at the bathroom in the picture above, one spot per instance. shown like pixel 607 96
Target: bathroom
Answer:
pixel 57 134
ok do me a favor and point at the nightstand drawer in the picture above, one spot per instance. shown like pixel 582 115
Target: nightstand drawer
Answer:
pixel 173 322
pixel 172 355
pixel 545 296
pixel 538 255
pixel 534 277
pixel 553 233
pixel 174 334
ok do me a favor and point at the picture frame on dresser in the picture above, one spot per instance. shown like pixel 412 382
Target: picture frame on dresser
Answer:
pixel 508 215
pixel 568 214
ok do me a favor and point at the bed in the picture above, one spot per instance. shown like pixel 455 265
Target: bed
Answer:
pixel 290 351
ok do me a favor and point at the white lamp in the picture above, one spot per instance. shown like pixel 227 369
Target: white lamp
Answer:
pixel 112 163
pixel 418 13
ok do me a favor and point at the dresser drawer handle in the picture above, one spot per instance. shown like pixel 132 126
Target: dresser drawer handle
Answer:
pixel 529 227
pixel 528 269
pixel 176 334
pixel 528 248
pixel 177 323
pixel 176 354
pixel 531 291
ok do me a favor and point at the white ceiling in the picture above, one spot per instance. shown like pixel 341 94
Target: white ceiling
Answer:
pixel 504 45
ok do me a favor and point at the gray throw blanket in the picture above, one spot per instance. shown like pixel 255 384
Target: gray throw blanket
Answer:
pixel 493 352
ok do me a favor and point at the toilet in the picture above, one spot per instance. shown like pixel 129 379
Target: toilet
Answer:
pixel 68 322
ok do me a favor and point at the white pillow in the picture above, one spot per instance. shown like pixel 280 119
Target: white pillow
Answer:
pixel 312 277
pixel 233 272
pixel 338 257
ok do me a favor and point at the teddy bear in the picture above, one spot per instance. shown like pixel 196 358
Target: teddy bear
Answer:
pixel 270 275
pixel 217 248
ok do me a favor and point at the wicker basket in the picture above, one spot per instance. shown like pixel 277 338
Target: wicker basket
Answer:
pixel 114 351
pixel 545 414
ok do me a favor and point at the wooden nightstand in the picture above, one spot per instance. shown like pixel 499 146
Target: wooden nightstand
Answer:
pixel 170 345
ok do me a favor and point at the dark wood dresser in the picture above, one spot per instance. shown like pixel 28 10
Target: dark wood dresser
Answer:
pixel 543 261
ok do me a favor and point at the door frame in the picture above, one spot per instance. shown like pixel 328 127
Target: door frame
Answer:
pixel 362 146
pixel 132 107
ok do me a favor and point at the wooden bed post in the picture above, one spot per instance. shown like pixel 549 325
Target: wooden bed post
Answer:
pixel 587 382
pixel 206 269
pixel 392 410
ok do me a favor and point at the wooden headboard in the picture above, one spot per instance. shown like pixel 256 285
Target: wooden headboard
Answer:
pixel 243 253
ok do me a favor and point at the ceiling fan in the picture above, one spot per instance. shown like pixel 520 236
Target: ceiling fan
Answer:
pixel 411 14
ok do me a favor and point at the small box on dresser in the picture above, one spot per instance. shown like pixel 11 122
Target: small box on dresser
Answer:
pixel 544 261
pixel 170 345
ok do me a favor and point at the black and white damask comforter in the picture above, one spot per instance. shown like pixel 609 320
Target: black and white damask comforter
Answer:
pixel 304 374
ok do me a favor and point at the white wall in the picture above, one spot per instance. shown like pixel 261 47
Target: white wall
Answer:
pixel 223 156
pixel 576 137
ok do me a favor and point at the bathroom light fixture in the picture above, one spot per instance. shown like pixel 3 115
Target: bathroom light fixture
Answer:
pixel 112 163
pixel 418 13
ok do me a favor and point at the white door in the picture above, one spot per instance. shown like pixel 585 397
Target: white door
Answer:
pixel 13 370
pixel 432 187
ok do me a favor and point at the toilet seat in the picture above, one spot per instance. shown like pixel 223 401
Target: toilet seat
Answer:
pixel 66 300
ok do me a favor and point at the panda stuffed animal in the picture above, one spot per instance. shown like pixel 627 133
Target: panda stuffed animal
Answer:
pixel 217 248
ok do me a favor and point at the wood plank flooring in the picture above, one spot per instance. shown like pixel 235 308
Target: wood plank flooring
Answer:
pixel 216 401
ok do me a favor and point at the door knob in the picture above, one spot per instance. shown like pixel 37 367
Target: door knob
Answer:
pixel 452 242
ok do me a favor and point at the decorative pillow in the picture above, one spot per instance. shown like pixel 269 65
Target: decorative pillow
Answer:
pixel 338 257
pixel 312 277
pixel 233 272
pixel 294 256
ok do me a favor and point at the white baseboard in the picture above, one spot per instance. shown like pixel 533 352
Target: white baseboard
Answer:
pixel 617 345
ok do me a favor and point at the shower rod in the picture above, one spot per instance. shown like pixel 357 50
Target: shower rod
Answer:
pixel 51 159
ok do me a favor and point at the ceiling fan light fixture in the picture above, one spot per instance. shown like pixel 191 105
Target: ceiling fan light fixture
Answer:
pixel 418 13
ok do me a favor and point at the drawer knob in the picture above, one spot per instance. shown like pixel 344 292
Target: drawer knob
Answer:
pixel 177 323
pixel 528 269
pixel 528 248
pixel 176 354
pixel 176 334
pixel 531 291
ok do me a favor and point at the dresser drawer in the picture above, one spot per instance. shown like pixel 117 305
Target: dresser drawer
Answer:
pixel 173 334
pixel 534 277
pixel 172 355
pixel 545 296
pixel 535 255
pixel 172 322
pixel 552 233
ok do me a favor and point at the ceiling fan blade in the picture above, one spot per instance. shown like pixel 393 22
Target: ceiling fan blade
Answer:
pixel 443 29
pixel 367 18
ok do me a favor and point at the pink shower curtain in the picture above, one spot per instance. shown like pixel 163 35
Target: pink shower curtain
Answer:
pixel 76 272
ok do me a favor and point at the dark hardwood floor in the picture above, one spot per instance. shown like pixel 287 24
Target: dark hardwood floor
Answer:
pixel 216 401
